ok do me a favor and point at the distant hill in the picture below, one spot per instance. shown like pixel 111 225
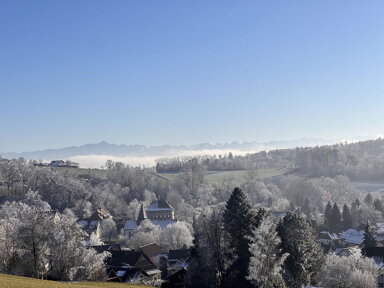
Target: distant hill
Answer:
pixel 95 155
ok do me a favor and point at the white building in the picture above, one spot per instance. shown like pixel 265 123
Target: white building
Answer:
pixel 160 213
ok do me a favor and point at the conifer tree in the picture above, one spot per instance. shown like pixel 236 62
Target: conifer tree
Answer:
pixel 328 215
pixel 239 222
pixel 207 265
pixel 356 212
pixel 336 219
pixel 368 199
pixel 378 204
pixel 305 256
pixel 306 209
pixel 265 269
pixel 347 217
pixel 292 207
pixel 369 237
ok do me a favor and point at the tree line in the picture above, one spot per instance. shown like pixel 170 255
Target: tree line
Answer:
pixel 361 161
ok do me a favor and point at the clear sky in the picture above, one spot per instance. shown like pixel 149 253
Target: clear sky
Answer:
pixel 186 72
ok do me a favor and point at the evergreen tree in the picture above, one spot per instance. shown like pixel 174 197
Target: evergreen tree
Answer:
pixel 239 222
pixel 356 213
pixel 378 204
pixel 207 265
pixel 292 206
pixel 368 199
pixel 347 217
pixel 305 256
pixel 306 209
pixel 260 215
pixel 328 215
pixel 266 260
pixel 369 237
pixel 336 219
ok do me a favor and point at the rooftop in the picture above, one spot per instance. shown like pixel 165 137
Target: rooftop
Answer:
pixel 159 205
pixel 353 236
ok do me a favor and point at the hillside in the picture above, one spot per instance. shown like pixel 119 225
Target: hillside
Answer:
pixel 218 177
pixel 10 281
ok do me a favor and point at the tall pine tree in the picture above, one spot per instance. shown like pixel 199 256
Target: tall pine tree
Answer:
pixel 335 219
pixel 347 217
pixel 305 256
pixel 328 215
pixel 369 237
pixel 239 222
pixel 368 199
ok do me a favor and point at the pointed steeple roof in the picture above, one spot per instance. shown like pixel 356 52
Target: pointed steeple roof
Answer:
pixel 142 215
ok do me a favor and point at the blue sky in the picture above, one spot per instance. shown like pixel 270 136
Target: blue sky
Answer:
pixel 185 72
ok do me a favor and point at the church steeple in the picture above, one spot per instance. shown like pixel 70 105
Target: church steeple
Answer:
pixel 142 215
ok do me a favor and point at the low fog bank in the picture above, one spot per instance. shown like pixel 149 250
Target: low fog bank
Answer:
pixel 98 161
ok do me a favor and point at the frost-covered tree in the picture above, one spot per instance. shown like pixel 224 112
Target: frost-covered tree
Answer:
pixel 133 209
pixel 176 236
pixel 71 260
pixel 368 199
pixel 36 222
pixel 265 266
pixel 108 229
pixel 9 243
pixel 305 258
pixel 38 239
pixel 90 266
pixel 94 240
pixel 349 272
pixel 145 233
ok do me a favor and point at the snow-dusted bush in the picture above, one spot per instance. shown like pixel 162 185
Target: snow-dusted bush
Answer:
pixel 349 272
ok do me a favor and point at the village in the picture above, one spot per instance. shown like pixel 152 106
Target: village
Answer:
pixel 148 264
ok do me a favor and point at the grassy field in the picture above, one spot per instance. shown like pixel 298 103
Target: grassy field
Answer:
pixel 9 281
pixel 81 171
pixel 240 175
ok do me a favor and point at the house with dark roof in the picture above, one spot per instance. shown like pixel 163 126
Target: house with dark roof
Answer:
pixel 154 252
pixel 353 251
pixel 132 267
pixel 106 248
pixel 326 238
pixel 160 209
pixel 56 163
pixel 178 258
pixel 61 163
pixel 160 213
pixel 175 279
